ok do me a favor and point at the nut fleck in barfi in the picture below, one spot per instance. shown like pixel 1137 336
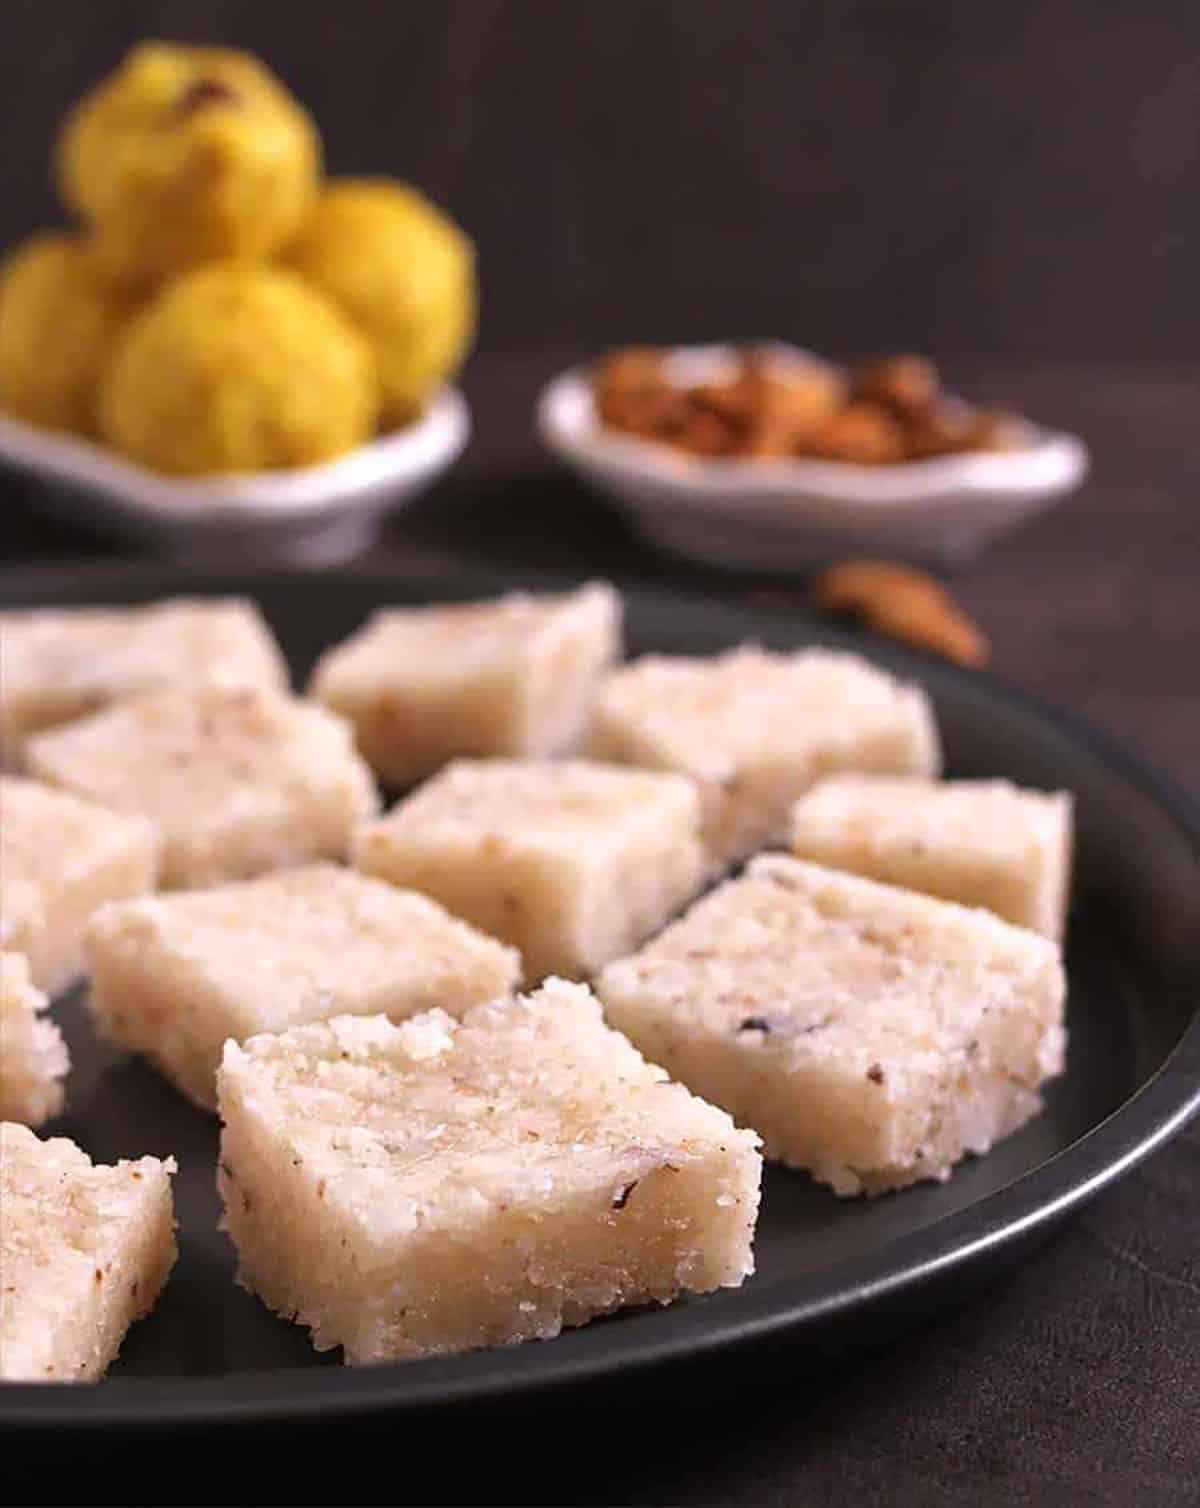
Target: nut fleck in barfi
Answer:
pixel 439 1185
pixel 571 862
pixel 57 664
pixel 60 858
pixel 33 1055
pixel 174 975
pixel 755 729
pixel 238 781
pixel 979 842
pixel 84 1251
pixel 516 676
pixel 869 1034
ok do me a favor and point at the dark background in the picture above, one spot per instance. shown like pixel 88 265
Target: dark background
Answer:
pixel 1019 178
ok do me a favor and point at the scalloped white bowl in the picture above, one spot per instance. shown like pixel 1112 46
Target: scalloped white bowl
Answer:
pixel 315 516
pixel 792 513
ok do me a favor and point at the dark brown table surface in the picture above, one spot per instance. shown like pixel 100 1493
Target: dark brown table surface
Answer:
pixel 1077 1381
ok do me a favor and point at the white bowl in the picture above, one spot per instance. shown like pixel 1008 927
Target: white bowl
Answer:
pixel 315 516
pixel 792 513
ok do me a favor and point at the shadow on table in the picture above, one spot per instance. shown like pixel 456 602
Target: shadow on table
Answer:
pixel 703 1438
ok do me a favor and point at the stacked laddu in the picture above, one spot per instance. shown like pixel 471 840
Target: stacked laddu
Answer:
pixel 220 307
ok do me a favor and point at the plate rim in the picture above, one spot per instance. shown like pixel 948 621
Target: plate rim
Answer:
pixel 1157 1111
pixel 263 499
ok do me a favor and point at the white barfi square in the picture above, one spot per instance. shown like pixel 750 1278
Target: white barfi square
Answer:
pixel 60 858
pixel 572 863
pixel 238 781
pixel 174 975
pixel 979 842
pixel 515 676
pixel 870 1035
pixel 755 729
pixel 440 1185
pixel 57 664
pixel 84 1251
pixel 33 1055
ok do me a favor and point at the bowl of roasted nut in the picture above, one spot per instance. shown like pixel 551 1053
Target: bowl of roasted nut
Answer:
pixel 769 457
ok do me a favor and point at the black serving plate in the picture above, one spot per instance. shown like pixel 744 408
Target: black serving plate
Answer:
pixel 830 1272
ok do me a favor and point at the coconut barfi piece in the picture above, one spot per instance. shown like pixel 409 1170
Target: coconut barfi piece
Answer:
pixel 84 1251
pixel 755 729
pixel 57 664
pixel 979 842
pixel 573 863
pixel 238 781
pixel 33 1055
pixel 440 1185
pixel 871 1035
pixel 515 676
pixel 60 858
pixel 174 975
